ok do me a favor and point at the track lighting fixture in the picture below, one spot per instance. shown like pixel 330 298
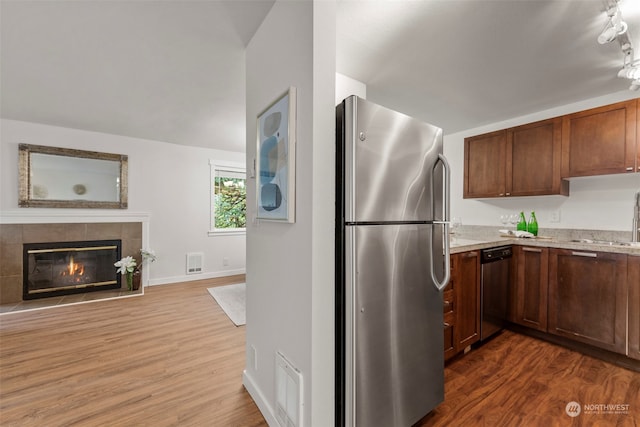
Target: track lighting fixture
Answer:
pixel 616 29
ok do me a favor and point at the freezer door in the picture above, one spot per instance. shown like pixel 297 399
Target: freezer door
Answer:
pixel 389 160
pixel 394 364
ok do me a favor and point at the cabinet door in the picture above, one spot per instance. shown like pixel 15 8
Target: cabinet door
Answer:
pixel 600 141
pixel 484 165
pixel 468 299
pixel 534 153
pixel 588 297
pixel 532 269
pixel 633 279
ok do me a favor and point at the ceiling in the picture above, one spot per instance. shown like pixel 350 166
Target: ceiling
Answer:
pixel 464 63
pixel 173 70
pixel 169 71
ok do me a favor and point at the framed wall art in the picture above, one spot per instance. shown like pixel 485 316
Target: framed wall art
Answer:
pixel 276 159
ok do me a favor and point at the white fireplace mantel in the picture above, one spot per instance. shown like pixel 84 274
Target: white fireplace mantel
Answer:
pixel 24 216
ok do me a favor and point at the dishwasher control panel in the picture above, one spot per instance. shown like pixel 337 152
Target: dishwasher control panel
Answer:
pixel 495 254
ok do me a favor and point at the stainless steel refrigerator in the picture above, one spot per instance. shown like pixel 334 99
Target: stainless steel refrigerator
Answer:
pixel 392 262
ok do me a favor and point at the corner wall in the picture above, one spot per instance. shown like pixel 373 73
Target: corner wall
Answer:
pixel 290 284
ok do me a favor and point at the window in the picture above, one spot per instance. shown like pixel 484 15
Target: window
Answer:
pixel 228 198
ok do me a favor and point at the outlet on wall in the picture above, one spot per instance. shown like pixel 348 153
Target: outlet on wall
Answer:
pixel 554 216
pixel 225 261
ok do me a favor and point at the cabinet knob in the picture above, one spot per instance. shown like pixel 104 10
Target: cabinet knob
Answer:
pixel 630 169
pixel 501 194
pixel 508 194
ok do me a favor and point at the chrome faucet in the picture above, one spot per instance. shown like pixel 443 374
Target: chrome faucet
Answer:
pixel 635 230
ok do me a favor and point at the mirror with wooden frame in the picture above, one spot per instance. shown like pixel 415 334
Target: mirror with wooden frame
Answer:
pixel 53 177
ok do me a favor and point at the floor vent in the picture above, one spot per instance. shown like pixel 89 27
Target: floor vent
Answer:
pixel 288 393
pixel 194 262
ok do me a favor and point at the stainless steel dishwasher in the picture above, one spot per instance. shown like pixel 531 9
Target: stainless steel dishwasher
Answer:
pixel 494 289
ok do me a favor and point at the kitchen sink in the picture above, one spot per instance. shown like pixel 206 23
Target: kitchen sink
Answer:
pixel 606 242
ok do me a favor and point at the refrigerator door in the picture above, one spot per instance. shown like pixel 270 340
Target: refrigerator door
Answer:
pixel 394 362
pixel 388 159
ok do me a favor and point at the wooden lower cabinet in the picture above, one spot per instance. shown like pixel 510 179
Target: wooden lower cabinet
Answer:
pixel 449 304
pixel 462 303
pixel 633 279
pixel 588 297
pixel 449 341
pixel 468 298
pixel 531 287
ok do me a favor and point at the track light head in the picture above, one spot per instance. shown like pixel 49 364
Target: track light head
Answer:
pixel 615 27
pixel 630 72
pixel 608 35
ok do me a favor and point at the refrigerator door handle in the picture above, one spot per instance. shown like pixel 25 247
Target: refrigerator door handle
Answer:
pixel 440 285
pixel 446 190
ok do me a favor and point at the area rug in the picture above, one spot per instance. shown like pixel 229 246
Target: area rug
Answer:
pixel 231 298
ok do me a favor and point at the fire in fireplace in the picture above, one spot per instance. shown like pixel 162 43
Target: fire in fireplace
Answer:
pixel 61 268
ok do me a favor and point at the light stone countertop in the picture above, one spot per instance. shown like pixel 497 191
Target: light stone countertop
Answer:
pixel 469 242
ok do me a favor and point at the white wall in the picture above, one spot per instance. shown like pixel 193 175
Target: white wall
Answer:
pixel 594 203
pixel 346 86
pixel 290 284
pixel 167 182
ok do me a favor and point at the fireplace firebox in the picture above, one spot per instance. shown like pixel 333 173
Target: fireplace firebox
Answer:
pixel 61 268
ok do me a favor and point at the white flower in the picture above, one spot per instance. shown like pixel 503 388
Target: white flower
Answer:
pixel 126 265
pixel 148 255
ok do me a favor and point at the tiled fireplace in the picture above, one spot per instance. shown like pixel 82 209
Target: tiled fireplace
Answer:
pixel 68 253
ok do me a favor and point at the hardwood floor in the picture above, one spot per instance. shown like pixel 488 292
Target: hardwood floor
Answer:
pixel 169 358
pixel 516 380
pixel 173 358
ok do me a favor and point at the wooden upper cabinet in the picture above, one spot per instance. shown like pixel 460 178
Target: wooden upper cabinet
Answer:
pixel 600 141
pixel 519 161
pixel 484 165
pixel 534 159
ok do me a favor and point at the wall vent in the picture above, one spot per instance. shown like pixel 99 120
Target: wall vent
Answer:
pixel 195 262
pixel 288 393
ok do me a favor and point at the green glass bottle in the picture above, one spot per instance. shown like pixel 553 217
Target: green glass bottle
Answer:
pixel 532 227
pixel 522 224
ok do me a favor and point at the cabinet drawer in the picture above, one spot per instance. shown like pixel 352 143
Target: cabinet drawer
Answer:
pixel 448 302
pixel 449 342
